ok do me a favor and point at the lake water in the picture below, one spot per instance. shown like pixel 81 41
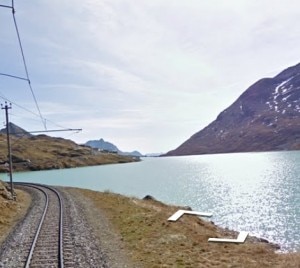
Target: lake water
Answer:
pixel 255 192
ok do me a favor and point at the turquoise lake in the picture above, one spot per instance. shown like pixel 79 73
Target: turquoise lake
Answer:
pixel 255 192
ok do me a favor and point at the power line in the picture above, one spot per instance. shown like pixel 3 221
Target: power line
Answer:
pixel 25 65
pixel 44 121
pixel 20 106
pixel 29 111
pixel 24 62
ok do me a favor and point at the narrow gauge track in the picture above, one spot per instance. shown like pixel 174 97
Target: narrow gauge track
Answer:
pixel 46 249
pixel 67 240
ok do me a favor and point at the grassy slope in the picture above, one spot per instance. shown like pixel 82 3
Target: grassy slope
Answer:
pixel 155 242
pixel 152 241
pixel 45 152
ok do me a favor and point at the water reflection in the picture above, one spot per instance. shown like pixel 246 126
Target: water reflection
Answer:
pixel 256 192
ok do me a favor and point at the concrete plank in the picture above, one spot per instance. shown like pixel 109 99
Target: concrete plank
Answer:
pixel 181 212
pixel 240 239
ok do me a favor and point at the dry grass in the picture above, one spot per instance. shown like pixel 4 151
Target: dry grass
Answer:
pixel 154 242
pixel 46 152
pixel 11 211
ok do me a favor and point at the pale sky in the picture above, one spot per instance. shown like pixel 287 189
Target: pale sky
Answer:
pixel 144 75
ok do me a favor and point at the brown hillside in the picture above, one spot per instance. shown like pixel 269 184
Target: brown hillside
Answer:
pixel 266 117
pixel 44 152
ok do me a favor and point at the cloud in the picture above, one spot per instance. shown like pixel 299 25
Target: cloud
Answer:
pixel 146 73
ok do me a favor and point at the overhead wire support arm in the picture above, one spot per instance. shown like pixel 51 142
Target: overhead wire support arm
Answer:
pixel 6 6
pixel 56 130
pixel 52 130
pixel 14 76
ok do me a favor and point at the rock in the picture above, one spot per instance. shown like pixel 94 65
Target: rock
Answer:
pixel 263 240
pixel 149 197
pixel 4 192
pixel 187 208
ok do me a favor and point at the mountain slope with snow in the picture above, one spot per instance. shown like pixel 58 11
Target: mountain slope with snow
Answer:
pixel 266 117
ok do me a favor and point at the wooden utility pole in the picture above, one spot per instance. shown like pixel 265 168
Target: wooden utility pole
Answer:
pixel 6 107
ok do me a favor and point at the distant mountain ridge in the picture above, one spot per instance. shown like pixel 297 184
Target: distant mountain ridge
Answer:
pixel 16 131
pixel 266 117
pixel 108 146
pixel 103 145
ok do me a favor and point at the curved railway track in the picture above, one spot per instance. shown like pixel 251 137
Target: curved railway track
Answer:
pixel 53 233
pixel 46 249
pixel 43 241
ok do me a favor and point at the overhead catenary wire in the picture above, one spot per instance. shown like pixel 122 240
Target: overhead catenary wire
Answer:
pixel 24 63
pixel 27 79
pixel 35 114
pixel 20 106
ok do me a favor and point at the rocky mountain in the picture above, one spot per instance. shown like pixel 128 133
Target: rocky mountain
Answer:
pixel 266 117
pixel 103 145
pixel 16 131
pixel 107 146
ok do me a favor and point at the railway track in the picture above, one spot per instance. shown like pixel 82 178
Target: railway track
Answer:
pixel 46 249
pixel 54 233
pixel 45 242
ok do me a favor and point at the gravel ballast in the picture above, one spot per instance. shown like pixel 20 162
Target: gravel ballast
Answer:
pixel 90 241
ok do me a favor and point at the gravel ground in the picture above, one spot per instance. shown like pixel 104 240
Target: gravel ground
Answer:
pixel 11 251
pixel 90 239
pixel 92 232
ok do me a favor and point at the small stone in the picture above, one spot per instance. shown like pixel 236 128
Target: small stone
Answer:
pixel 149 197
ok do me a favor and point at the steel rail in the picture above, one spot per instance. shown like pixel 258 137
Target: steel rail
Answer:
pixel 60 251
pixel 39 228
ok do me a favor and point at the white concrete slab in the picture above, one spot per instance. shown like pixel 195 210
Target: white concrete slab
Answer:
pixel 176 215
pixel 240 239
pixel 181 212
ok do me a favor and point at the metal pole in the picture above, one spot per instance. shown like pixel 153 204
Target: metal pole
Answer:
pixel 6 107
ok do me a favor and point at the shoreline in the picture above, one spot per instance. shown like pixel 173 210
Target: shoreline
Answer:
pixel 152 240
pixel 149 240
